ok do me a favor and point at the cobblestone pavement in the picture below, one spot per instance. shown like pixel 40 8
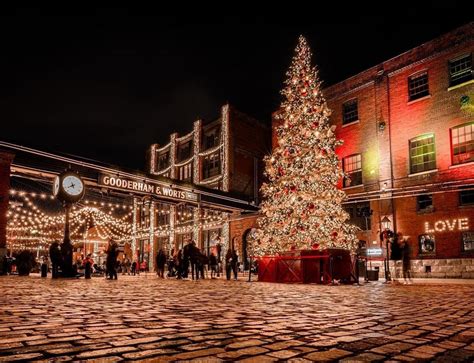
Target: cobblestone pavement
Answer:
pixel 216 320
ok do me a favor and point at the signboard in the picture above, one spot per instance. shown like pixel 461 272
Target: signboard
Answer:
pixel 148 187
pixel 374 252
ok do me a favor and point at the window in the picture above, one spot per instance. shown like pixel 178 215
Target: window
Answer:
pixel 163 214
pixel 211 138
pixel 462 143
pixel 418 86
pixel 359 215
pixel 460 70
pixel 427 244
pixel 350 112
pixel 184 150
pixel 468 241
pixel 184 214
pixel 163 160
pixel 424 203
pixel 422 154
pixel 185 172
pixel 466 197
pixel 211 166
pixel 352 166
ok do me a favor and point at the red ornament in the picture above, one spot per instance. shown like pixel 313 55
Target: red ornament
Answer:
pixel 314 125
pixel 334 234
pixel 315 246
pixel 310 206
pixel 281 171
pixel 293 188
pixel 324 152
pixel 293 248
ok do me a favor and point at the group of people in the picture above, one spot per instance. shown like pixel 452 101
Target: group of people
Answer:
pixel 190 258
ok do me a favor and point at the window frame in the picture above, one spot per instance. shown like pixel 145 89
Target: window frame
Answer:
pixel 418 138
pixel 426 209
pixel 452 141
pixel 349 103
pixel 456 59
pixel 353 171
pixel 419 95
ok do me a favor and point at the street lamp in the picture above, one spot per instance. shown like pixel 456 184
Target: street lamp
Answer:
pixel 386 223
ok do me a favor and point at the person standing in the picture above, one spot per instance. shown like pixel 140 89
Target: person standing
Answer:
pixel 213 265
pixel 406 262
pixel 235 263
pixel 160 263
pixel 112 260
pixel 88 262
pixel 228 263
pixel 56 258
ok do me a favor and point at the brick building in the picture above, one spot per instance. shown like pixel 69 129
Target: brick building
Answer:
pixel 224 154
pixel 408 131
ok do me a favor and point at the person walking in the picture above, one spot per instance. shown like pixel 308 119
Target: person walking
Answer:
pixel 134 268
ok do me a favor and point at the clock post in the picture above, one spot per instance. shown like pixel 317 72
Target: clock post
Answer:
pixel 68 187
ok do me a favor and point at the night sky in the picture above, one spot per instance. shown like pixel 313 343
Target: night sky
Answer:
pixel 105 84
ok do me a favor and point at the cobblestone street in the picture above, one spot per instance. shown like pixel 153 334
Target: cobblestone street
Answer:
pixel 212 320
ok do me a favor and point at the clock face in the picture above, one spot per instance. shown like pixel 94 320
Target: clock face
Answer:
pixel 56 186
pixel 72 185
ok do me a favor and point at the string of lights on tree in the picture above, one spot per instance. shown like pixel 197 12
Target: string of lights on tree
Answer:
pixel 302 205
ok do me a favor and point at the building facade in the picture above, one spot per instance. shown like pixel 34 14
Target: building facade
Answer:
pixel 408 131
pixel 224 154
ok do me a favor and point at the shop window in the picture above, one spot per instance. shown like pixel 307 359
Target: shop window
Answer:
pixel 424 203
pixel 468 241
pixel 466 197
pixel 460 70
pixel 352 166
pixel 210 239
pixel 163 214
pixel 462 143
pixel 350 112
pixel 422 154
pixel 211 166
pixel 184 213
pixel 418 86
pixel 427 244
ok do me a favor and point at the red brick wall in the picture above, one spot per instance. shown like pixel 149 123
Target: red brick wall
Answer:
pixel 446 207
pixel 238 228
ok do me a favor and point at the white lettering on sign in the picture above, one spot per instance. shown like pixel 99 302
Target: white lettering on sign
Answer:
pixel 146 188
pixel 460 224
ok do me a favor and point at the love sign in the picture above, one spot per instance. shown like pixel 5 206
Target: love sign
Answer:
pixel 446 225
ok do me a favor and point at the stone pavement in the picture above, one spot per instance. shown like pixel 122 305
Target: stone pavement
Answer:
pixel 145 318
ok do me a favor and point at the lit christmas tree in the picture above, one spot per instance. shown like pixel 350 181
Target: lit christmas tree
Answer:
pixel 302 205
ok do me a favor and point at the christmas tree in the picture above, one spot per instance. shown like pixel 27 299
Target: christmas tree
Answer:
pixel 302 205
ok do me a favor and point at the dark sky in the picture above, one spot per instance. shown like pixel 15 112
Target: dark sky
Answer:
pixel 106 83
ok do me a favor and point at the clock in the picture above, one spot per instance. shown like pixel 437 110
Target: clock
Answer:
pixel 68 187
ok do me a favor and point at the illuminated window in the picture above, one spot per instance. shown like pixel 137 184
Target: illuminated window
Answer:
pixel 468 241
pixel 418 86
pixel 424 203
pixel 422 154
pixel 352 166
pixel 350 112
pixel 211 166
pixel 460 70
pixel 163 214
pixel 462 143
pixel 466 197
